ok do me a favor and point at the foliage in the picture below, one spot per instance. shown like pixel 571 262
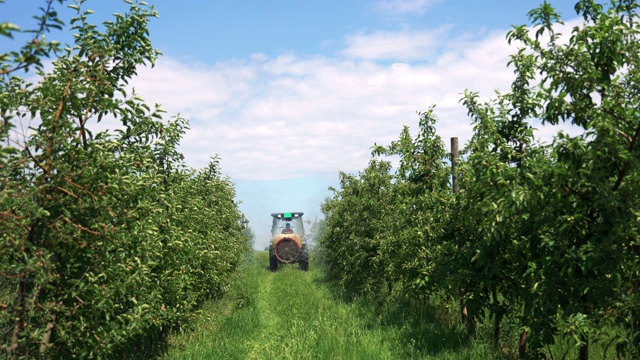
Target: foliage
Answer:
pixel 105 235
pixel 387 217
pixel 421 196
pixel 249 235
pixel 357 219
pixel 545 235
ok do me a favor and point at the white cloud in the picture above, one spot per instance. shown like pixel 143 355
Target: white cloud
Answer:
pixel 405 6
pixel 319 114
pixel 396 45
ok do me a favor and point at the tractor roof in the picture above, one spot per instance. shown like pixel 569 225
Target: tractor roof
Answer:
pixel 287 215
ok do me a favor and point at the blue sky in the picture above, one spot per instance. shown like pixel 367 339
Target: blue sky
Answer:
pixel 288 93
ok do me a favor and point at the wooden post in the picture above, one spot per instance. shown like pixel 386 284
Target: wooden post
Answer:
pixel 454 163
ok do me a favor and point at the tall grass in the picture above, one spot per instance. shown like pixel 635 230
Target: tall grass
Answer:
pixel 292 314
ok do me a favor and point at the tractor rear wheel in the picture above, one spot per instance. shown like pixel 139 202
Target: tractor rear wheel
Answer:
pixel 273 261
pixel 304 258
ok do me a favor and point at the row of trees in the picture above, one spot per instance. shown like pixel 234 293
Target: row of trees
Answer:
pixel 545 235
pixel 105 236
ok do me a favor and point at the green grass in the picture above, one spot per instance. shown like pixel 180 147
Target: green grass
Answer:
pixel 292 314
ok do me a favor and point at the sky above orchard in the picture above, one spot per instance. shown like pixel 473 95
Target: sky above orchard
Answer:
pixel 289 93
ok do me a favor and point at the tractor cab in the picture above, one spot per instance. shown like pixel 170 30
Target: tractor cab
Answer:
pixel 288 222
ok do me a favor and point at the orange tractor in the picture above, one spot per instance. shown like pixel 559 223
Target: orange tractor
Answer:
pixel 288 244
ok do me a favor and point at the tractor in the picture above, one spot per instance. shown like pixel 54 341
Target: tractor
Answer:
pixel 288 244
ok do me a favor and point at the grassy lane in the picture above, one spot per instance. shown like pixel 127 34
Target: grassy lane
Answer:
pixel 291 314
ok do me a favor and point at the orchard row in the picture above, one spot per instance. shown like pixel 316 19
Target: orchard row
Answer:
pixel 543 236
pixel 107 239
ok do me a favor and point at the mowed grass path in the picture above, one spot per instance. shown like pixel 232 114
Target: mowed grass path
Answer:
pixel 291 314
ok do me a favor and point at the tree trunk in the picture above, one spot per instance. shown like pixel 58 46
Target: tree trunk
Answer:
pixel 471 322
pixel 522 345
pixel 498 314
pixel 584 348
pixel 46 337
pixel 19 312
pixel 463 311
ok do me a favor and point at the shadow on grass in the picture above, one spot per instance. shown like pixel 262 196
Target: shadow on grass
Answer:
pixel 420 329
pixel 160 343
pixel 150 345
